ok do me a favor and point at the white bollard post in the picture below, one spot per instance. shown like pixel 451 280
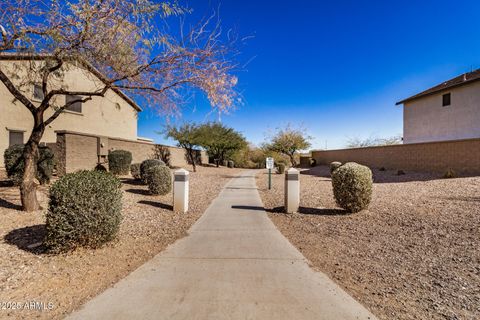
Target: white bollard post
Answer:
pixel 180 191
pixel 292 190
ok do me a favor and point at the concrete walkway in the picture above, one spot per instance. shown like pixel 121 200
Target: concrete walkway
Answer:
pixel 233 265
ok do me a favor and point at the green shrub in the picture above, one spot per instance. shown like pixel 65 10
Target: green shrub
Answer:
pixel 230 163
pixel 449 174
pixel 162 153
pixel 352 186
pixel 147 164
pixel 281 168
pixel 334 166
pixel 159 180
pixel 14 164
pixel 119 162
pixel 85 210
pixel 135 171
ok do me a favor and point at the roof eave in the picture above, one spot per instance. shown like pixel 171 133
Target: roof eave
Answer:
pixel 12 56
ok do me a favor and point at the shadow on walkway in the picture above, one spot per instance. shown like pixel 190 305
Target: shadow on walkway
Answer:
pixel 28 238
pixel 302 210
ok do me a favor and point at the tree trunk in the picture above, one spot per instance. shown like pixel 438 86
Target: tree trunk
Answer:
pixel 292 160
pixel 192 159
pixel 28 187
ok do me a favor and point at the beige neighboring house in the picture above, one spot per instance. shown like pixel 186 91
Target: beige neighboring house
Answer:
pixel 114 115
pixel 448 111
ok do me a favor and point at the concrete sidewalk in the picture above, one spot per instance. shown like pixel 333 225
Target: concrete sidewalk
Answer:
pixel 233 265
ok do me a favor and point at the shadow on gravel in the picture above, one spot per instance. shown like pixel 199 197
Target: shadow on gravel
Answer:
pixel 28 238
pixel 467 199
pixel 9 205
pixel 142 192
pixel 6 183
pixel 157 204
pixel 386 176
pixel 323 211
pixel 132 182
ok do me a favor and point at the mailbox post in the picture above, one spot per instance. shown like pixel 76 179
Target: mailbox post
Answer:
pixel 292 190
pixel 180 191
pixel 269 163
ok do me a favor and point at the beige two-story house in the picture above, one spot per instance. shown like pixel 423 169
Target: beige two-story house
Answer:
pixel 448 111
pixel 114 115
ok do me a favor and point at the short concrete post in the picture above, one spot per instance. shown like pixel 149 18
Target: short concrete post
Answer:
pixel 292 190
pixel 180 191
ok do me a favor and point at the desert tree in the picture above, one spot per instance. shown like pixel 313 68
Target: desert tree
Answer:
pixel 288 141
pixel 187 137
pixel 220 141
pixel 128 44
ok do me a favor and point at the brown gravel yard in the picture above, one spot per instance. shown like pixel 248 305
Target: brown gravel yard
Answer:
pixel 67 281
pixel 415 254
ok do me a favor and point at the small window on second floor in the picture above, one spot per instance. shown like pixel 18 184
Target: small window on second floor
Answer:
pixel 37 92
pixel 76 106
pixel 15 137
pixel 446 99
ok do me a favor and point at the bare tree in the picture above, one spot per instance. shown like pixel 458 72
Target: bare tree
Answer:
pixel 126 43
pixel 373 141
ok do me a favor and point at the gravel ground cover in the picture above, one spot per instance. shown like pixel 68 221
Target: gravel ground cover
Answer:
pixel 414 254
pixel 68 280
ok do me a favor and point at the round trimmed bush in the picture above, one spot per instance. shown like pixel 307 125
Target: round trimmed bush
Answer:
pixel 85 210
pixel 281 168
pixel 14 164
pixel 135 171
pixel 147 164
pixel 119 162
pixel 334 166
pixel 159 180
pixel 352 186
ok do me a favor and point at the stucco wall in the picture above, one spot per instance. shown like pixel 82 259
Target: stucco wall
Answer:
pixel 462 156
pixel 426 119
pixel 108 116
pixel 78 151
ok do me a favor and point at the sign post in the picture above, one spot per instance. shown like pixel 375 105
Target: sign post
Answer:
pixel 269 164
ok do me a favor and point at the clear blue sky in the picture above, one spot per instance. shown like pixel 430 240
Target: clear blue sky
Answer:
pixel 337 67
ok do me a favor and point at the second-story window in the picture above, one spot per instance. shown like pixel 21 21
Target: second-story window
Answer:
pixel 37 92
pixel 76 106
pixel 446 99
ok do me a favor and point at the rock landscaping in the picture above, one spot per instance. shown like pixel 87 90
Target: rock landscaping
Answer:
pixel 413 254
pixel 28 273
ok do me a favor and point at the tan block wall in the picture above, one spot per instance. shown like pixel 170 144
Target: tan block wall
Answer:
pixel 78 151
pixel 462 156
pixel 140 150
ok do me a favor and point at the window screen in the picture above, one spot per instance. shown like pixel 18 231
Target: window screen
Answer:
pixel 15 137
pixel 37 92
pixel 446 99
pixel 77 106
